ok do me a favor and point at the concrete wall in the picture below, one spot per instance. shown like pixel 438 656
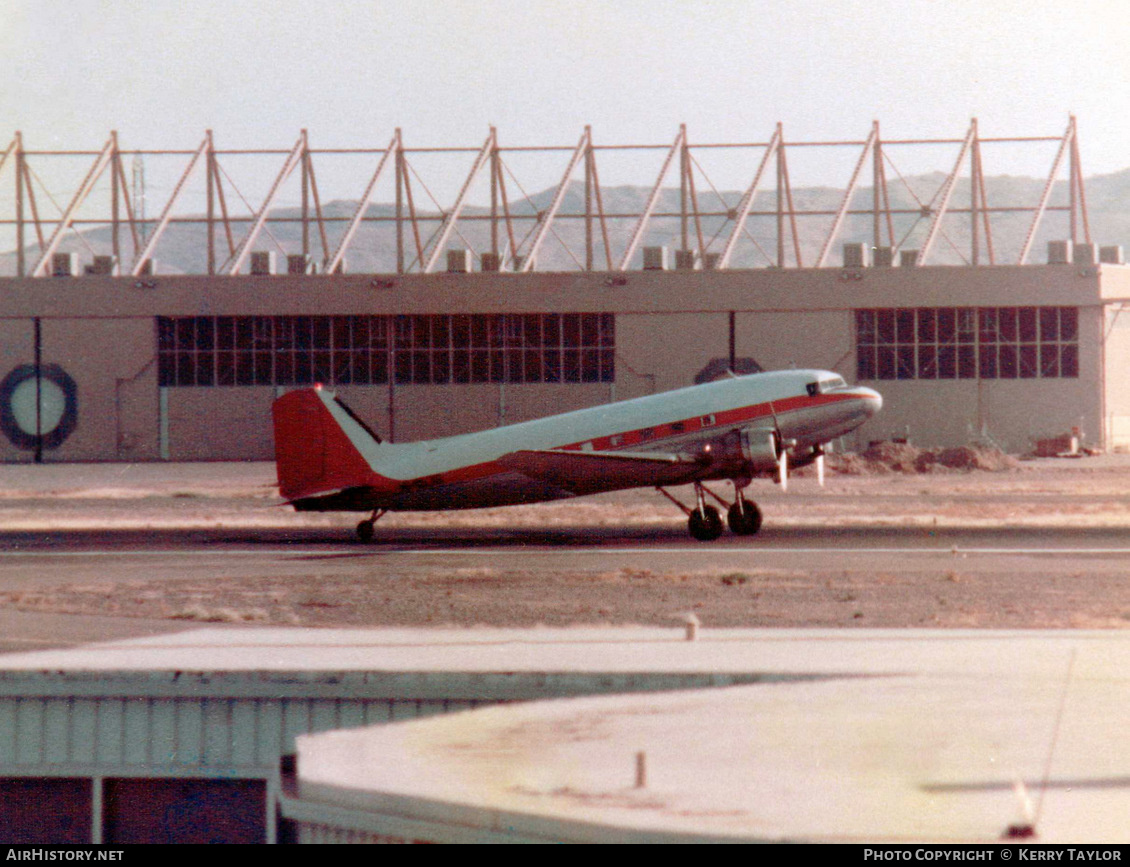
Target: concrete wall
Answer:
pixel 661 351
pixel 113 364
pixel 1013 413
pixel 669 326
pixel 1116 349
pixel 225 424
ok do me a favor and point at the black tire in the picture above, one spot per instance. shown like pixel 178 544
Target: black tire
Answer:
pixel 705 524
pixel 745 521
pixel 365 531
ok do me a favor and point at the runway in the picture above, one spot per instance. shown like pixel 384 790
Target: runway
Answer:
pixel 646 540
pixel 61 588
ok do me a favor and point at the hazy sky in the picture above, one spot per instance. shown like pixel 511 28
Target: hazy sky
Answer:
pixel 350 71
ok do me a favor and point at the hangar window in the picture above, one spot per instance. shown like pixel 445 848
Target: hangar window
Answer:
pixel 369 350
pixel 967 343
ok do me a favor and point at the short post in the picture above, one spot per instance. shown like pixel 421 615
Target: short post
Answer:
pixel 692 627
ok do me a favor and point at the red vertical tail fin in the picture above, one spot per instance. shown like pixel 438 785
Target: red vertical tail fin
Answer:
pixel 314 454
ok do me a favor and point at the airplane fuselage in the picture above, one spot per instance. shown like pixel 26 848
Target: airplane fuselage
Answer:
pixel 731 428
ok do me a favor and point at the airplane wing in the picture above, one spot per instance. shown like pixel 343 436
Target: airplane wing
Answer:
pixel 587 472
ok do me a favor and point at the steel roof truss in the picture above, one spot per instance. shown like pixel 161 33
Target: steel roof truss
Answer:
pixel 838 222
pixel 947 192
pixel 292 161
pixel 452 216
pixel 746 203
pixel 641 224
pixel 99 166
pixel 545 219
pixel 1065 142
pixel 139 262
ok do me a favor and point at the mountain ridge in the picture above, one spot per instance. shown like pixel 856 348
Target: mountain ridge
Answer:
pixel 182 248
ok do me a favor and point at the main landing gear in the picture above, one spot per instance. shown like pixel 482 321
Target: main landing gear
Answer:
pixel 365 528
pixel 744 517
pixel 704 521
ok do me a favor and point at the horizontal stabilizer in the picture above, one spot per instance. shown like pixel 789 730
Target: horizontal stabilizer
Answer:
pixel 583 472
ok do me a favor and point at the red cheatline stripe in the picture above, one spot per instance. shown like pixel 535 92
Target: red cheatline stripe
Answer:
pixel 626 439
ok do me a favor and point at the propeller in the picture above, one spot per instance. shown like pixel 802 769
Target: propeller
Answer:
pixel 782 451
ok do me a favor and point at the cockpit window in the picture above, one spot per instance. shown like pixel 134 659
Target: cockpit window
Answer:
pixel 833 384
pixel 824 386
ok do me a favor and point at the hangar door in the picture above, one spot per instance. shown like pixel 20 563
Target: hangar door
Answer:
pixel 155 810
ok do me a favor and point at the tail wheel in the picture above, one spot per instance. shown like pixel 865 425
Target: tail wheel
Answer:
pixel 744 518
pixel 365 528
pixel 705 524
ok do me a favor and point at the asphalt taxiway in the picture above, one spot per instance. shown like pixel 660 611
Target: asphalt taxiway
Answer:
pixel 36 562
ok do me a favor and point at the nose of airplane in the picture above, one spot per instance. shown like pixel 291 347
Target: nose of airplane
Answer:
pixel 872 400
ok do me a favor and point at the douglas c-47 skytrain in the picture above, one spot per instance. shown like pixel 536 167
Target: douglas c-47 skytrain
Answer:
pixel 737 429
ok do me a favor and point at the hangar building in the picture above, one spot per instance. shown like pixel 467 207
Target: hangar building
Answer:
pixel 112 361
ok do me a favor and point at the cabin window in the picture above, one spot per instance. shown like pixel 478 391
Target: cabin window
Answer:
pixel 967 343
pixel 371 350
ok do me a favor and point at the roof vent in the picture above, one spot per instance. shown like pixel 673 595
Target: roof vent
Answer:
pixel 1111 255
pixel 300 263
pixel 64 264
pixel 1060 252
pixel 263 263
pixel 104 265
pixel 855 255
pixel 685 260
pixel 458 261
pixel 1085 254
pixel 655 258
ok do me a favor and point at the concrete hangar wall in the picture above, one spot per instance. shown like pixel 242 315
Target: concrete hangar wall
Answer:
pixel 186 367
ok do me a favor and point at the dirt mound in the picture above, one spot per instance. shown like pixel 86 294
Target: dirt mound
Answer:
pixel 977 458
pixel 891 457
pixel 897 457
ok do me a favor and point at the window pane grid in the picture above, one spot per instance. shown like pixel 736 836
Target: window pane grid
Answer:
pixel 368 350
pixel 967 343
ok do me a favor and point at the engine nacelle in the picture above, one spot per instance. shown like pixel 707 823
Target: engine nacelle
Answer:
pixel 761 449
pixel 805 458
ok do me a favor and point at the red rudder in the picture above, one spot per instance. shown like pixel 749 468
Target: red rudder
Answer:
pixel 313 455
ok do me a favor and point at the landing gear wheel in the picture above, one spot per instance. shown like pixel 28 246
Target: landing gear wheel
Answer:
pixel 365 531
pixel 744 518
pixel 705 524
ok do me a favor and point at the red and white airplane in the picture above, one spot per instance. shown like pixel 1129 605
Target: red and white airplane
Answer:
pixel 737 428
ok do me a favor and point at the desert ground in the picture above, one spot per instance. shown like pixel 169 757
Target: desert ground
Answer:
pixel 313 573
